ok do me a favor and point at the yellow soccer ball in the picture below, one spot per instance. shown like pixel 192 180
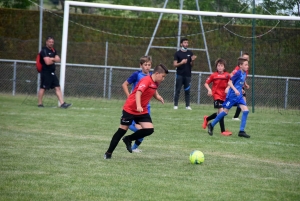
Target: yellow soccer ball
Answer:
pixel 196 157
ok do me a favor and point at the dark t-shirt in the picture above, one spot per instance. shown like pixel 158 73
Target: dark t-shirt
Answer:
pixel 185 69
pixel 46 52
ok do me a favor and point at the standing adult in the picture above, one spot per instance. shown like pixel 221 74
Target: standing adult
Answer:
pixel 183 62
pixel 49 79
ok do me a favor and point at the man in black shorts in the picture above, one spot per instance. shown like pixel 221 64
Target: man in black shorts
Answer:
pixel 49 80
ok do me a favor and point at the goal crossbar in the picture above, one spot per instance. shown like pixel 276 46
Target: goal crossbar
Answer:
pixel 146 9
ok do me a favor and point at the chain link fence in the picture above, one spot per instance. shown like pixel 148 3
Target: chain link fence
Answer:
pixel 99 81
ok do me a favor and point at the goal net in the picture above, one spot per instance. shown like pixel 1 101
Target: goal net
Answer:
pixel 129 32
pixel 102 43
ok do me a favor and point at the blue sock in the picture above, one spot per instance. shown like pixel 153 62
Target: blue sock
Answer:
pixel 244 120
pixel 133 128
pixel 218 118
pixel 137 143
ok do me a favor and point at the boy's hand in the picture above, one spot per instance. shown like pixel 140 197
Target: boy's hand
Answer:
pixel 139 109
pixel 209 93
pixel 246 86
pixel 237 93
pixel 161 99
pixel 193 57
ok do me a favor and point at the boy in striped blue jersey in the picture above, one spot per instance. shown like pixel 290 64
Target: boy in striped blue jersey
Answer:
pixel 235 96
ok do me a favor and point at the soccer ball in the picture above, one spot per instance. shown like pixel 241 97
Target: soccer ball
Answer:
pixel 196 157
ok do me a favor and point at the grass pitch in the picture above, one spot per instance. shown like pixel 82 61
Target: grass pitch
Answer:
pixel 57 154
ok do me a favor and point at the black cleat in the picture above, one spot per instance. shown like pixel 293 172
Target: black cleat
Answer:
pixel 65 105
pixel 210 129
pixel 40 105
pixel 243 134
pixel 107 156
pixel 128 144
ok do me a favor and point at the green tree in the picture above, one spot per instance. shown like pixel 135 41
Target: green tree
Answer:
pixel 22 4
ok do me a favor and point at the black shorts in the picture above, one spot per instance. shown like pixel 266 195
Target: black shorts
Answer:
pixel 127 118
pixel 49 80
pixel 218 104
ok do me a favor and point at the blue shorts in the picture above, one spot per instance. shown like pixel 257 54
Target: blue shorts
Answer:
pixel 233 101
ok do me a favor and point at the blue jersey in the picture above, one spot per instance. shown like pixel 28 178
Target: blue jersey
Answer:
pixel 135 78
pixel 238 80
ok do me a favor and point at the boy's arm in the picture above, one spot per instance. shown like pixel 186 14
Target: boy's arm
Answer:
pixel 209 92
pixel 233 88
pixel 125 88
pixel 138 101
pixel 158 97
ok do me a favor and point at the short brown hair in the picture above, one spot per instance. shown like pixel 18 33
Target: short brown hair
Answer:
pixel 161 68
pixel 220 61
pixel 241 60
pixel 145 59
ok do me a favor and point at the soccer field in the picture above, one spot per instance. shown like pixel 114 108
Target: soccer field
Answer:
pixel 57 154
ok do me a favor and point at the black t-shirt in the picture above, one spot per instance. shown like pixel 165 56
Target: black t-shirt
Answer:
pixel 184 69
pixel 46 52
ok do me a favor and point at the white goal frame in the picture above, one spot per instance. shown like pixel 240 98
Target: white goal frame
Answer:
pixel 145 9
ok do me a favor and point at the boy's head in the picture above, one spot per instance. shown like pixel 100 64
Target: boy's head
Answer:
pixel 159 73
pixel 246 56
pixel 220 65
pixel 243 63
pixel 145 63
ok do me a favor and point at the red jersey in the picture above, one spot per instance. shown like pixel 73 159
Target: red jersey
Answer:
pixel 236 69
pixel 220 82
pixel 148 88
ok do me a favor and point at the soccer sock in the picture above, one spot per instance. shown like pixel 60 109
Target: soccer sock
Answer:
pixel 218 118
pixel 222 125
pixel 244 120
pixel 212 116
pixel 133 128
pixel 137 143
pixel 237 112
pixel 140 134
pixel 115 139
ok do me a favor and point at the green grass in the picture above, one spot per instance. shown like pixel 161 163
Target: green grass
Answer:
pixel 57 154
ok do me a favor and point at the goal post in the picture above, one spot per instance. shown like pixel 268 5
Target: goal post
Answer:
pixel 146 9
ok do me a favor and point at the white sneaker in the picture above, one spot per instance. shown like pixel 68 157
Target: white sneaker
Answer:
pixel 188 108
pixel 136 150
pixel 175 107
pixel 236 119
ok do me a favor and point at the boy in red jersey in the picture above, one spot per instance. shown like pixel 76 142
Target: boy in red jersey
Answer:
pixel 238 109
pixel 135 109
pixel 219 80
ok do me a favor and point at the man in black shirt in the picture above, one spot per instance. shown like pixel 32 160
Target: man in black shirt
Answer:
pixel 183 62
pixel 49 80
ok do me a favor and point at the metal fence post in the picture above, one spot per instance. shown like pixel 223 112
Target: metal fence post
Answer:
pixel 14 78
pixel 199 88
pixel 105 70
pixel 109 83
pixel 286 93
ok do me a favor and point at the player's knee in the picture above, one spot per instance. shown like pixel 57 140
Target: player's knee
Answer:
pixel 148 131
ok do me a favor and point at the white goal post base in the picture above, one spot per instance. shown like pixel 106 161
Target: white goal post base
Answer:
pixel 145 9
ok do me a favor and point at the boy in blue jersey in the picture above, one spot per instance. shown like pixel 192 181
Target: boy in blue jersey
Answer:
pixel 235 96
pixel 145 64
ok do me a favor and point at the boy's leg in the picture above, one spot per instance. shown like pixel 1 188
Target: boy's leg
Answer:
pixel 135 127
pixel 237 112
pixel 115 140
pixel 135 136
pixel 242 132
pixel 215 121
